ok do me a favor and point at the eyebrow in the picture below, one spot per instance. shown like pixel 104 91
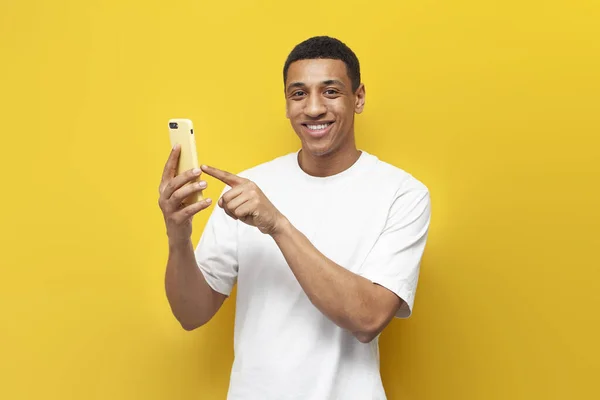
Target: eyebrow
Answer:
pixel 327 82
pixel 334 82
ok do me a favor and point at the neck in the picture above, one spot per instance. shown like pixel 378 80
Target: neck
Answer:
pixel 329 164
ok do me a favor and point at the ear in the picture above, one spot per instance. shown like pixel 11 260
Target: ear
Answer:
pixel 287 111
pixel 359 96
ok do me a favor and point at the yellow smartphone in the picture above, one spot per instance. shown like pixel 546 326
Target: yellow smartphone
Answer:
pixel 181 131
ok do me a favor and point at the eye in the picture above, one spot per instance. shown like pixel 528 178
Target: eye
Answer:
pixel 298 93
pixel 331 92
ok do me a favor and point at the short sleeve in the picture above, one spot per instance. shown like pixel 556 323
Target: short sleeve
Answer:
pixel 216 252
pixel 394 261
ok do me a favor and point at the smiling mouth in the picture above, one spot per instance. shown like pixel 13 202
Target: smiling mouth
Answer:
pixel 318 129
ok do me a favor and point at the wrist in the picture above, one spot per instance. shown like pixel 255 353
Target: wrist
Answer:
pixel 177 245
pixel 281 228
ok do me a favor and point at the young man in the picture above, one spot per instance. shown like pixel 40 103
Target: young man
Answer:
pixel 324 244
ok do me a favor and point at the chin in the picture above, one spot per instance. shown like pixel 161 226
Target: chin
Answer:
pixel 318 150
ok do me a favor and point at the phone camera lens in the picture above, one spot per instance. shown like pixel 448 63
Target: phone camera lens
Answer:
pixel 173 125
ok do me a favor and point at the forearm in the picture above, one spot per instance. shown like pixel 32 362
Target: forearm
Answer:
pixel 189 295
pixel 344 297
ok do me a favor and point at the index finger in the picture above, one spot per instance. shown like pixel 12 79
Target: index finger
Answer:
pixel 224 176
pixel 171 165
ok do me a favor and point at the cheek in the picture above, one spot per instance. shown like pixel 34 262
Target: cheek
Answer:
pixel 294 112
pixel 341 111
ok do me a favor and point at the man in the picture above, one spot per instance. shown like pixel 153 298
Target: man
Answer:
pixel 324 243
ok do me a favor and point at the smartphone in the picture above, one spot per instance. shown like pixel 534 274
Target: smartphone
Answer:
pixel 181 131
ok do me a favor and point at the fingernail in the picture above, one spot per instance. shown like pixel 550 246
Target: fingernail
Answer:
pixel 208 201
pixel 202 184
pixel 196 171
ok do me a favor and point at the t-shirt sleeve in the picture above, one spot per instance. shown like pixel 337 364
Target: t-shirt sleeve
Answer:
pixel 394 261
pixel 216 252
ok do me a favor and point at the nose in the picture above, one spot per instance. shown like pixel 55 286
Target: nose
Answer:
pixel 315 106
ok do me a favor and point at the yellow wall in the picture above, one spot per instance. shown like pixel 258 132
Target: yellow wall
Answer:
pixel 494 105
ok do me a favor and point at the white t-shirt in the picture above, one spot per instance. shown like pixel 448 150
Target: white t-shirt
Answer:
pixel 372 219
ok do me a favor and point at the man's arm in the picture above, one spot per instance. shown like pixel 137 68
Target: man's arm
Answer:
pixel 192 300
pixel 349 300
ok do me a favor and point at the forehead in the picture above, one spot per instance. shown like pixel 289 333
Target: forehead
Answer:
pixel 315 71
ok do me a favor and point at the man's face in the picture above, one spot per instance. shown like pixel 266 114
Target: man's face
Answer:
pixel 320 104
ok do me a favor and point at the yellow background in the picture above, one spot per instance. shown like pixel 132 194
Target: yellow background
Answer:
pixel 494 105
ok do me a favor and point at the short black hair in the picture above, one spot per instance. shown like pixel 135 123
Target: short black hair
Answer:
pixel 325 47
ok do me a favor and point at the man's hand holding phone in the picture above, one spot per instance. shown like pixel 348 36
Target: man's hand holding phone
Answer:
pixel 173 190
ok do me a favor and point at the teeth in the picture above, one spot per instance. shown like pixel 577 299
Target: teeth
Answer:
pixel 317 127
